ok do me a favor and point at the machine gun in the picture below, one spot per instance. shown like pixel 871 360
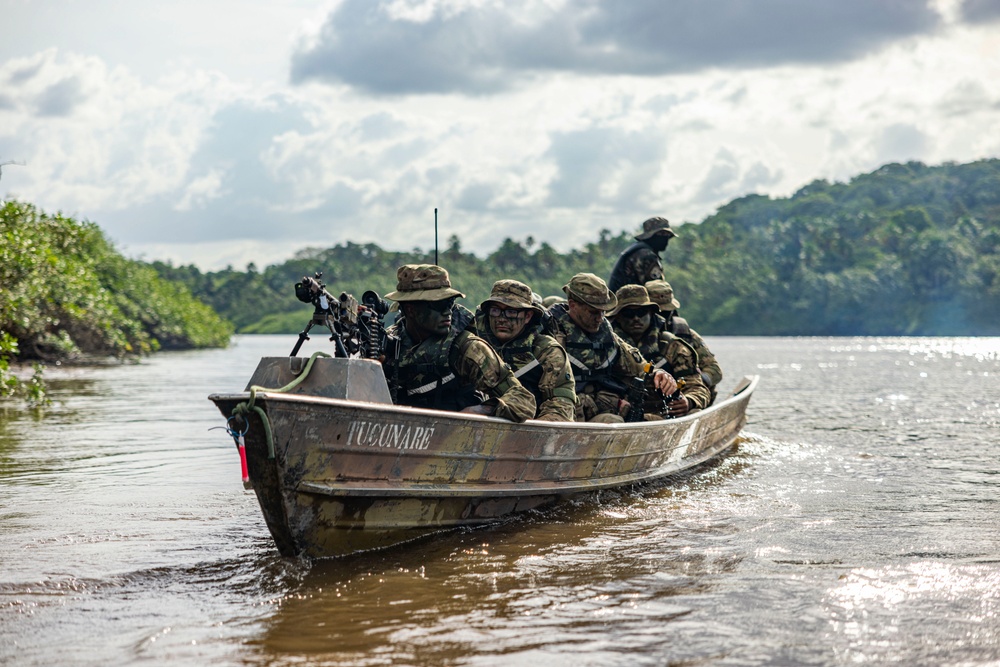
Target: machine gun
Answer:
pixel 637 393
pixel 355 329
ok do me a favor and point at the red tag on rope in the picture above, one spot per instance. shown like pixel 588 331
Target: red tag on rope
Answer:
pixel 241 446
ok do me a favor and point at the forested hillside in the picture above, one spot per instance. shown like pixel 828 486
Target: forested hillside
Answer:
pixel 905 250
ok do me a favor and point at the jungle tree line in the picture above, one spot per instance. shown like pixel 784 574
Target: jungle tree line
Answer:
pixel 907 249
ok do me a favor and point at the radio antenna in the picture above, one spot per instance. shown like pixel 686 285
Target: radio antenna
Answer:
pixel 436 235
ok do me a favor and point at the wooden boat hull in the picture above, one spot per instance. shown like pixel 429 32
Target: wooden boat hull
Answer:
pixel 349 475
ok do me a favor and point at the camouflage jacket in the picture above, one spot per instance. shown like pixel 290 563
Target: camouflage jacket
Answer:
pixel 636 265
pixel 541 365
pixel 446 373
pixel 601 360
pixel 463 319
pixel 671 353
pixel 710 370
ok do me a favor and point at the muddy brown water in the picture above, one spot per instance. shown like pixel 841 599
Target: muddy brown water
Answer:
pixel 855 522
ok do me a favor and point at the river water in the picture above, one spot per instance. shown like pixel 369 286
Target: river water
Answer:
pixel 857 522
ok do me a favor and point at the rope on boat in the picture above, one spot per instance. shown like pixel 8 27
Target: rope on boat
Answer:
pixel 244 409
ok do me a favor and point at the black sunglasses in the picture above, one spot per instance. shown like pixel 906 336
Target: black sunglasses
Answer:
pixel 633 313
pixel 442 306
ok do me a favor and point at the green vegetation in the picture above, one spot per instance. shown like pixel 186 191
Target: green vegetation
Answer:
pixel 32 390
pixel 905 250
pixel 264 302
pixel 67 294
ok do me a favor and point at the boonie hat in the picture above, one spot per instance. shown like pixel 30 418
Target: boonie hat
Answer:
pixel 662 294
pixel 655 226
pixel 552 300
pixel 512 294
pixel 422 282
pixel 591 290
pixel 633 296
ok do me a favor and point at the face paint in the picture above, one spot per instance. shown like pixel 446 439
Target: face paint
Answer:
pixel 426 321
pixel 504 326
pixel 634 321
pixel 587 318
pixel 443 306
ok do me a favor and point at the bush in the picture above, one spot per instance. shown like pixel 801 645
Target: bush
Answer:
pixel 65 292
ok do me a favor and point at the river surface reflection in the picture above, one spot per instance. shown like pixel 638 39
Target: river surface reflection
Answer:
pixel 855 522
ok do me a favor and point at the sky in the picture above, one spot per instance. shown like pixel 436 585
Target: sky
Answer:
pixel 221 133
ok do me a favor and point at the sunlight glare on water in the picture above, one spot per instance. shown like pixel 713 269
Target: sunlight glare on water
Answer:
pixel 856 522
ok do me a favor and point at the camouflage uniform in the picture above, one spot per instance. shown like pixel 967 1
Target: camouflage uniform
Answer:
pixel 640 262
pixel 603 364
pixel 448 372
pixel 661 293
pixel 711 372
pixel 664 350
pixel 463 319
pixel 538 361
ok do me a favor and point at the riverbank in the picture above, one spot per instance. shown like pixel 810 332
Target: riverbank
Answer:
pixel 66 294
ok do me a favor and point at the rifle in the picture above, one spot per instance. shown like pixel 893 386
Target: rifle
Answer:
pixel 355 329
pixel 636 395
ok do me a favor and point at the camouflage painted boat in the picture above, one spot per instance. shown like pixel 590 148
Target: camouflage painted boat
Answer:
pixel 337 468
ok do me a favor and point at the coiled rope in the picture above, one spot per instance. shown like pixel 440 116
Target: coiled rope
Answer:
pixel 243 410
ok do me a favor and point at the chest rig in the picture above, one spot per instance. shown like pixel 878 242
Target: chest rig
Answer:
pixel 423 371
pixel 591 355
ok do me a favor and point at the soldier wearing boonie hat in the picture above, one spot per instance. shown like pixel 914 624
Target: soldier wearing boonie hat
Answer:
pixel 662 293
pixel 591 290
pixel 633 296
pixel 432 362
pixel 422 282
pixel 552 300
pixel 603 363
pixel 510 320
pixel 636 320
pixel 640 262
pixel 429 282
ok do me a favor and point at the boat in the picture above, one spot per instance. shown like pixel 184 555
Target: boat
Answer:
pixel 338 468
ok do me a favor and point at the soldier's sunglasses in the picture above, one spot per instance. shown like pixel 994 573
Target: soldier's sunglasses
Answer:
pixel 509 313
pixel 633 313
pixel 442 306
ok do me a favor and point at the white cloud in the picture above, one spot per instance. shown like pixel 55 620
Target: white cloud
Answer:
pixel 248 40
pixel 492 46
pixel 201 190
pixel 197 160
pixel 105 140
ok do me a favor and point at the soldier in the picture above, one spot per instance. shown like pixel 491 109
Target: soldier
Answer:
pixel 603 363
pixel 636 319
pixel 640 262
pixel 552 300
pixel 462 318
pixel 510 321
pixel 662 294
pixel 433 363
